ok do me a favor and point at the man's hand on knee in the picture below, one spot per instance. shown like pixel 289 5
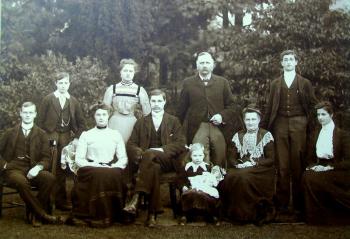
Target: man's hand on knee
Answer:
pixel 33 172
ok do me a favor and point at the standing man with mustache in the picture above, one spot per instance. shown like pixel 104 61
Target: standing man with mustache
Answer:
pixel 206 103
pixel 290 102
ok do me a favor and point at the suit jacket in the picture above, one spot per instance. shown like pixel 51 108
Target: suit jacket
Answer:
pixel 39 147
pixel 49 115
pixel 306 95
pixel 172 138
pixel 341 149
pixel 197 100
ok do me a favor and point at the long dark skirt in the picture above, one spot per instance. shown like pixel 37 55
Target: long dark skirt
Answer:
pixel 197 200
pixel 98 194
pixel 244 190
pixel 327 197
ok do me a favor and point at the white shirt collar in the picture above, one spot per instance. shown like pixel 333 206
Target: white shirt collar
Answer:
pixel 157 114
pixel 208 77
pixel 328 127
pixel 289 77
pixel 324 144
pixel 27 126
pixel 202 165
pixel 58 94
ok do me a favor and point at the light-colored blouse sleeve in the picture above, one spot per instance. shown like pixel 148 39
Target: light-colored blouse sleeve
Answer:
pixel 120 152
pixel 80 155
pixel 144 101
pixel 107 99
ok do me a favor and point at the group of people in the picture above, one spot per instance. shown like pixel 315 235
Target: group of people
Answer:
pixel 244 176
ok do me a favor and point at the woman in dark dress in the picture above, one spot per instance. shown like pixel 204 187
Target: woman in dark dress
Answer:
pixel 247 189
pixel 98 194
pixel 326 180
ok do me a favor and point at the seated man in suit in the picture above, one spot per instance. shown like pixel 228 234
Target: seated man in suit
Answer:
pixel 155 145
pixel 24 161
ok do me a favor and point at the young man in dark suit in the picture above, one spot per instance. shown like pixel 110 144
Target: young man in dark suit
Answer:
pixel 206 104
pixel 290 102
pixel 156 144
pixel 25 161
pixel 60 115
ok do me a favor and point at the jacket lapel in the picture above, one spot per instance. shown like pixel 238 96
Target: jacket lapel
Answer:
pixel 147 130
pixel 13 139
pixel 164 129
pixel 56 104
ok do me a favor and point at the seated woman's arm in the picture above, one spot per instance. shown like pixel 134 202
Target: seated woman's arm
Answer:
pixel 80 155
pixel 269 155
pixel 120 152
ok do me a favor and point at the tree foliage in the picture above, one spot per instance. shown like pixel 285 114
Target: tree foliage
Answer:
pixel 163 37
pixel 87 84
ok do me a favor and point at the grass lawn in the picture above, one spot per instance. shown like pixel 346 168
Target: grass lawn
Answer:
pixel 13 225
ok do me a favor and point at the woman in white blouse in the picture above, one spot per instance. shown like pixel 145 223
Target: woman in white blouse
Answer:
pixel 98 194
pixel 326 180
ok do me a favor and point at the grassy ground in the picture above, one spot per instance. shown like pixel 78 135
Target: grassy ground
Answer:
pixel 13 225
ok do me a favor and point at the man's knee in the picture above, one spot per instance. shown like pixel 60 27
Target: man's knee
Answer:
pixel 46 177
pixel 17 179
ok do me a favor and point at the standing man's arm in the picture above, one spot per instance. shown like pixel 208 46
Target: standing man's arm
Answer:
pixel 183 104
pixel 42 114
pixel 228 103
pixel 268 109
pixel 3 146
pixel 80 119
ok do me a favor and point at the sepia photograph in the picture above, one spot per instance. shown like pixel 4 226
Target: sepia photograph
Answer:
pixel 175 119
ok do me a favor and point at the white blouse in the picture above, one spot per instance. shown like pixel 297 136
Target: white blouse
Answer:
pixel 324 144
pixel 99 146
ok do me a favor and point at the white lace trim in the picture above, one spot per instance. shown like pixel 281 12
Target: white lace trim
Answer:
pixel 256 151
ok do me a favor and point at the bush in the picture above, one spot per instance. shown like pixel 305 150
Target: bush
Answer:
pixel 87 77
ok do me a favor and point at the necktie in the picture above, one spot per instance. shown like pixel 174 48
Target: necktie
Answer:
pixel 62 100
pixel 26 132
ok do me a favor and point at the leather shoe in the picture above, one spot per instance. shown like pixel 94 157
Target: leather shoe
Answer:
pixel 55 219
pixel 36 221
pixel 131 207
pixel 183 221
pixel 151 222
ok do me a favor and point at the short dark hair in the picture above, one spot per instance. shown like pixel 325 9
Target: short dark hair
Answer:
pixel 61 75
pixel 157 92
pixel 28 104
pixel 289 52
pixel 129 61
pixel 326 105
pixel 102 106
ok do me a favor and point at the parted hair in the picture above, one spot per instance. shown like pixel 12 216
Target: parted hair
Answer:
pixel 61 75
pixel 129 61
pixel 289 52
pixel 326 105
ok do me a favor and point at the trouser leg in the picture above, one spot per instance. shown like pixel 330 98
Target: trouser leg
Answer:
pixel 217 146
pixel 282 147
pixel 17 179
pixel 202 136
pixel 45 181
pixel 60 193
pixel 214 143
pixel 297 149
